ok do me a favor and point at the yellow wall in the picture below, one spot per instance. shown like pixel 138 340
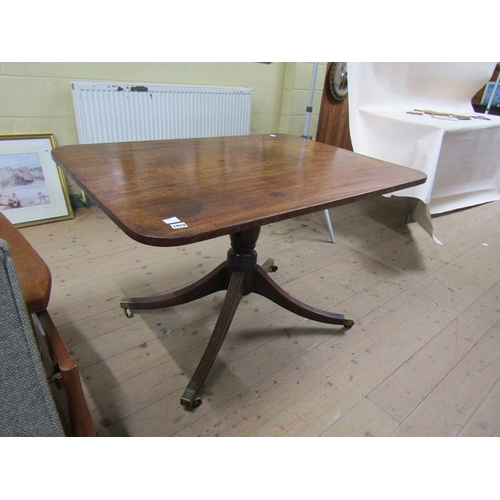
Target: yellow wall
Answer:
pixel 36 97
pixel 296 87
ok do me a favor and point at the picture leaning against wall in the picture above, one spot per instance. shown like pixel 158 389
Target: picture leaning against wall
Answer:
pixel 32 187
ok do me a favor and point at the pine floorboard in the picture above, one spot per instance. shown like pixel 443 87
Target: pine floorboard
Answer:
pixel 423 358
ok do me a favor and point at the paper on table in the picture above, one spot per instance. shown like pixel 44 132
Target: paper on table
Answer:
pixel 171 220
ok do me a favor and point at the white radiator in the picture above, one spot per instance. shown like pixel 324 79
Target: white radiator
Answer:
pixel 116 112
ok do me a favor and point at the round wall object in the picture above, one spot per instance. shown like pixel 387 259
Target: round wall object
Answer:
pixel 337 81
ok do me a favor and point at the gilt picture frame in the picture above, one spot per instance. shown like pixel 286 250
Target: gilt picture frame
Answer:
pixel 33 188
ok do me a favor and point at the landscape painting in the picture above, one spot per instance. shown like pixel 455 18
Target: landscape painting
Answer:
pixel 22 183
pixel 32 187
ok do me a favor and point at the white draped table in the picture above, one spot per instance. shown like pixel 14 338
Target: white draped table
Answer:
pixel 460 157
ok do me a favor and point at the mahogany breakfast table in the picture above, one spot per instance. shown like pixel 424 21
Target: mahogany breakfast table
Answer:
pixel 176 192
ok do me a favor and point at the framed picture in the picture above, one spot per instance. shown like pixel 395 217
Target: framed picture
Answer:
pixel 33 188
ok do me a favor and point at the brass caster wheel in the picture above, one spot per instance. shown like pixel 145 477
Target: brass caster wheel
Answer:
pixel 348 321
pixel 269 266
pixel 125 306
pixel 190 399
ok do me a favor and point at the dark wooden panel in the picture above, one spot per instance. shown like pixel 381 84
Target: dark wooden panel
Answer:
pixel 333 124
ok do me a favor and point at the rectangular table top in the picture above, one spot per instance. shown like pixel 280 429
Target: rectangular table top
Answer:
pixel 217 186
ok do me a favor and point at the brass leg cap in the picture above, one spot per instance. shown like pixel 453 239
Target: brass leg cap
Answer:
pixel 190 399
pixel 348 321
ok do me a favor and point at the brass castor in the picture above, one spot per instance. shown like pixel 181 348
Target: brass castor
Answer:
pixel 348 321
pixel 190 399
pixel 125 306
pixel 269 266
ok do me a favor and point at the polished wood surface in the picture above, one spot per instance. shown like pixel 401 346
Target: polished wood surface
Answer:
pixel 80 419
pixel 34 275
pixel 222 185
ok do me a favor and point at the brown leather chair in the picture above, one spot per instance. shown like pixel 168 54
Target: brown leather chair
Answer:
pixel 35 281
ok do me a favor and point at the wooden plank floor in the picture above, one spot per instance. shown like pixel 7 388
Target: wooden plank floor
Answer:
pixel 423 358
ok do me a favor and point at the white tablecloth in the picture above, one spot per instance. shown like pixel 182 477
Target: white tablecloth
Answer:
pixel 460 158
